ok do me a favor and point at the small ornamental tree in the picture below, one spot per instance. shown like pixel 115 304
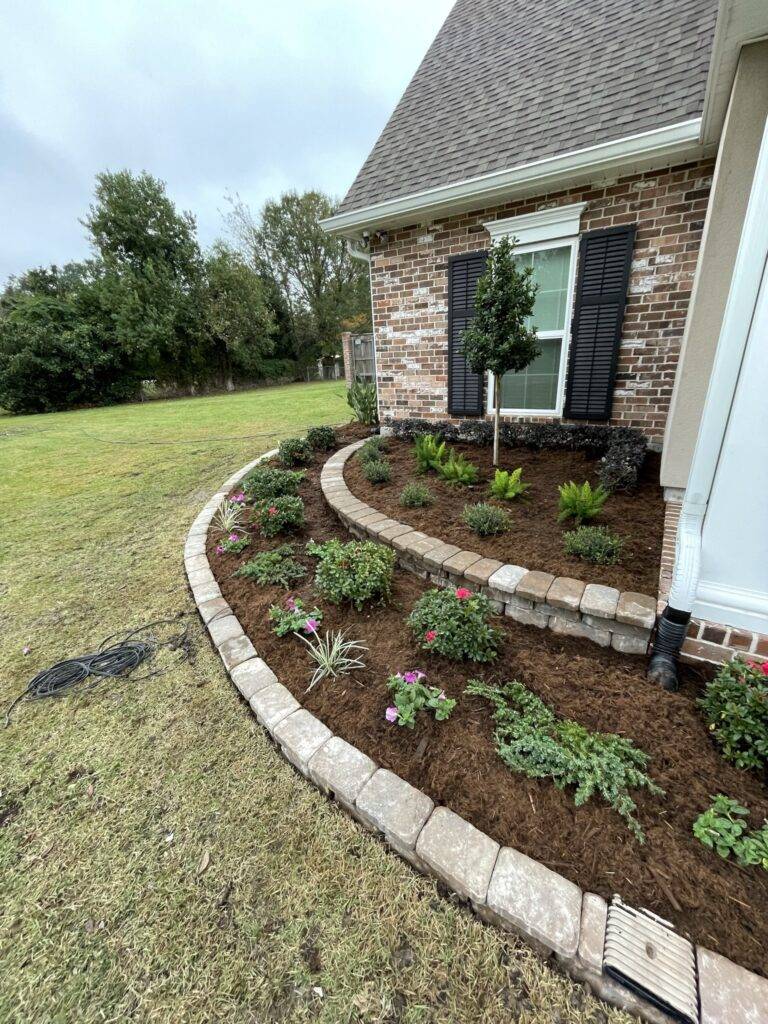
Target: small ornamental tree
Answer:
pixel 499 340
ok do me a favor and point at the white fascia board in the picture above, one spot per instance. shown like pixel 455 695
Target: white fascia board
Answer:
pixel 644 150
pixel 541 226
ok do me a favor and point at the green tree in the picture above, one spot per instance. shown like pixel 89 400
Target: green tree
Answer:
pixel 500 338
pixel 321 284
pixel 238 319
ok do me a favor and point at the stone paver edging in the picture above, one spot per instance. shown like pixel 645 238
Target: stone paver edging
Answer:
pixel 503 886
pixel 622 620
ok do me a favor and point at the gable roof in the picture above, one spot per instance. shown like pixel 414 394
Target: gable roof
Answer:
pixel 510 82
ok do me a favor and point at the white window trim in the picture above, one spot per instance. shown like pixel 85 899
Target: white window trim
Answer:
pixel 557 243
pixel 541 226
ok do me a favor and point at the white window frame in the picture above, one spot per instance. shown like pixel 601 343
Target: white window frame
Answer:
pixel 556 228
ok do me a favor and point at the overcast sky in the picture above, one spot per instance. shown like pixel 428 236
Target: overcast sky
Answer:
pixel 247 96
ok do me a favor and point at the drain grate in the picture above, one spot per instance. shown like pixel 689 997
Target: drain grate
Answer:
pixel 645 953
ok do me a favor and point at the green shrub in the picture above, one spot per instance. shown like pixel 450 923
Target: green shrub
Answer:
pixel 457 469
pixel 416 496
pixel 377 471
pixel 508 486
pixel 581 502
pixel 322 439
pixel 486 519
pixel 358 572
pixel 412 696
pixel 294 451
pixel 361 398
pixel 530 739
pixel 721 828
pixel 373 449
pixel 455 623
pixel 735 706
pixel 276 568
pixel 293 617
pixel 430 452
pixel 594 544
pixel 281 515
pixel 264 483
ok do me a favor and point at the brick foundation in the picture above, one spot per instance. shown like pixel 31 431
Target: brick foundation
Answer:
pixel 409 287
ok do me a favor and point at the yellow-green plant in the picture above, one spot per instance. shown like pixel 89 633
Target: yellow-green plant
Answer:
pixel 508 486
pixel 580 501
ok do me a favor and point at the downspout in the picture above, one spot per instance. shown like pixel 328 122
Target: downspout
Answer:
pixel 744 289
pixel 362 251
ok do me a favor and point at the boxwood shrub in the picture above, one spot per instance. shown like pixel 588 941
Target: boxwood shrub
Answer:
pixel 322 439
pixel 281 515
pixel 265 482
pixel 294 451
pixel 358 572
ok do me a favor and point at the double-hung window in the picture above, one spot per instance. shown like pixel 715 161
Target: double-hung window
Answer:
pixel 547 242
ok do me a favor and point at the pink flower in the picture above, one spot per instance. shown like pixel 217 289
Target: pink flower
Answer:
pixel 219 549
pixel 764 668
pixel 441 695
pixel 310 626
pixel 414 677
pixel 463 593
pixel 391 714
pixel 238 499
pixel 272 510
pixel 26 650
pixel 430 635
pixel 233 538
pixel 290 604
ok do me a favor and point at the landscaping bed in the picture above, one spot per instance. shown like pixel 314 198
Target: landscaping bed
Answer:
pixel 716 903
pixel 535 539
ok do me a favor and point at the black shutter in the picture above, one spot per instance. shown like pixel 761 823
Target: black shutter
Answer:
pixel 605 258
pixel 465 388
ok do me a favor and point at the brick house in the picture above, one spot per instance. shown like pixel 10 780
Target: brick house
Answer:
pixel 618 143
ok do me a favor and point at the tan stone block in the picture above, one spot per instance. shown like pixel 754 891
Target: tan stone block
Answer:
pixel 566 592
pixel 458 564
pixel 535 585
pixel 482 570
pixel 636 609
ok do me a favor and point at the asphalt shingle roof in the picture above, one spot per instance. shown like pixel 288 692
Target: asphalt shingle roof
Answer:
pixel 507 82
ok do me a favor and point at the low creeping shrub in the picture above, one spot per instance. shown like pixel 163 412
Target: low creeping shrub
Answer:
pixel 594 544
pixel 416 496
pixel 333 654
pixel 294 451
pixel 486 520
pixel 412 696
pixel 373 449
pixel 530 739
pixel 455 623
pixel 322 439
pixel 430 452
pixel 277 568
pixel 229 516
pixel 233 544
pixel 721 828
pixel 377 471
pixel 508 486
pixel 735 706
pixel 292 617
pixel 281 515
pixel 361 398
pixel 457 469
pixel 265 483
pixel 580 501
pixel 358 572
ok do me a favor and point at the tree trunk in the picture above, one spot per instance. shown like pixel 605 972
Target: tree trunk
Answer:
pixel 496 417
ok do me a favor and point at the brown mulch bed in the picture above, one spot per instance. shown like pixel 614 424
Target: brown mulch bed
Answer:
pixel 536 538
pixel 717 904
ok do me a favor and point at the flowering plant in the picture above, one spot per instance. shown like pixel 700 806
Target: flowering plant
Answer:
pixel 280 515
pixel 292 617
pixel 735 706
pixel 411 695
pixel 455 623
pixel 233 544
pixel 238 498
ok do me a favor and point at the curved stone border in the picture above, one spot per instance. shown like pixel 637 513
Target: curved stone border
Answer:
pixel 503 886
pixel 622 620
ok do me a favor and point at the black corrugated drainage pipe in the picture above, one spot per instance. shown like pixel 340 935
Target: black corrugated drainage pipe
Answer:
pixel 667 641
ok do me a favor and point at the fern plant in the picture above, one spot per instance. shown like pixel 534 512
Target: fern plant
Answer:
pixel 580 501
pixel 532 740
pixel 508 486
pixel 430 452
pixel 457 469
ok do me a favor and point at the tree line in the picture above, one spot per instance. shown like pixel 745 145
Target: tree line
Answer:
pixel 150 305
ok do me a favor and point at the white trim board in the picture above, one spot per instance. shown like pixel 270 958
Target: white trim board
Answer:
pixel 630 154
pixel 558 222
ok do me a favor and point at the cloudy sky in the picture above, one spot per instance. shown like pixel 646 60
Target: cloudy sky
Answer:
pixel 246 96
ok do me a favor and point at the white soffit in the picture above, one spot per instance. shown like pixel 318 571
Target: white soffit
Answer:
pixel 542 226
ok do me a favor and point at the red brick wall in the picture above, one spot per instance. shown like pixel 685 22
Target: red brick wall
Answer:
pixel 409 284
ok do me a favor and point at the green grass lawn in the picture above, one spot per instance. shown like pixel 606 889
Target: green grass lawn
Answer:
pixel 111 801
